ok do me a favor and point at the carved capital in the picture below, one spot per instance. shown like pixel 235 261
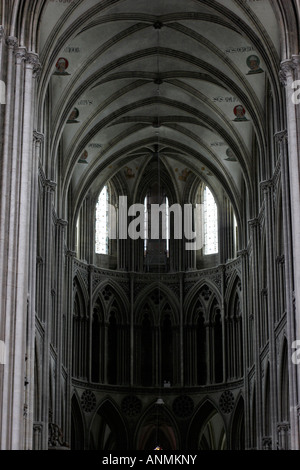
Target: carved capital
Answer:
pixel 39 261
pixel 280 259
pixel 49 185
pixel 38 137
pixel 296 59
pixel 264 292
pixel 91 268
pixel 70 254
pixel 287 68
pixel 37 70
pixel 32 61
pixel 266 186
pixel 267 443
pixel 12 42
pixel 253 223
pixel 281 136
pixel 20 54
pixel 55 437
pixel 283 427
pixel 37 428
pixel 61 223
pixel 243 253
pixel 2 33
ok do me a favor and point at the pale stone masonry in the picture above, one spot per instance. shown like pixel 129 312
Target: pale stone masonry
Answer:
pixel 149 345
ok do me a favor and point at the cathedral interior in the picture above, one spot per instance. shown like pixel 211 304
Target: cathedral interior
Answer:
pixel 133 343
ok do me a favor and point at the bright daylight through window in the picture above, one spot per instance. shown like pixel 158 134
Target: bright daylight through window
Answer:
pixel 102 227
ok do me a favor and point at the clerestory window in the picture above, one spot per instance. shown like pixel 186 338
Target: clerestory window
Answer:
pixel 210 222
pixel 102 223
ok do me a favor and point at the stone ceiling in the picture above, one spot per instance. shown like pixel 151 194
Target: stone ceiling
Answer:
pixel 187 77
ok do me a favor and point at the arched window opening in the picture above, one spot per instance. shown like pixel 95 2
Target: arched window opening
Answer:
pixel 96 347
pixel 254 433
pixel 284 388
pixel 167 350
pixel 209 224
pixel 235 236
pixel 238 427
pixel 146 353
pixel 268 420
pixel 201 351
pixel 284 426
pixel 213 434
pixel 211 243
pixel 218 349
pixel 112 350
pixel 156 248
pixel 102 223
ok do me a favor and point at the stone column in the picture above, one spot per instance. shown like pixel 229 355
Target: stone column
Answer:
pixel 283 431
pixel 14 239
pixel 255 263
pixel 2 52
pixel 157 356
pixel 190 255
pixel 246 351
pixel 37 433
pixel 85 248
pixel 132 322
pixel 90 332
pixel 292 330
pixel 268 191
pixel 123 242
pixel 209 357
pixel 38 140
pixel 69 305
pixel 46 314
pixel 12 65
pixel 290 71
pixel 106 326
pixel 182 321
pixel 223 323
pixel 59 312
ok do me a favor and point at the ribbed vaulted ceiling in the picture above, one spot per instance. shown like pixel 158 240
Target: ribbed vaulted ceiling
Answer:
pixel 161 72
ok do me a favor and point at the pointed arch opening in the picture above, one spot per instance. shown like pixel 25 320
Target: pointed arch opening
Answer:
pixel 238 426
pixel 108 430
pixel 207 431
pixel 77 426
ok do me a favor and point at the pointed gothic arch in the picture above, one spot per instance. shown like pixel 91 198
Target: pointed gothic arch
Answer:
pixel 108 430
pixel 77 425
pixel 207 430
pixel 109 292
pixel 238 426
pixel 157 427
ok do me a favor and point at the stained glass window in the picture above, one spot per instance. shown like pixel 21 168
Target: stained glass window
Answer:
pixel 102 221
